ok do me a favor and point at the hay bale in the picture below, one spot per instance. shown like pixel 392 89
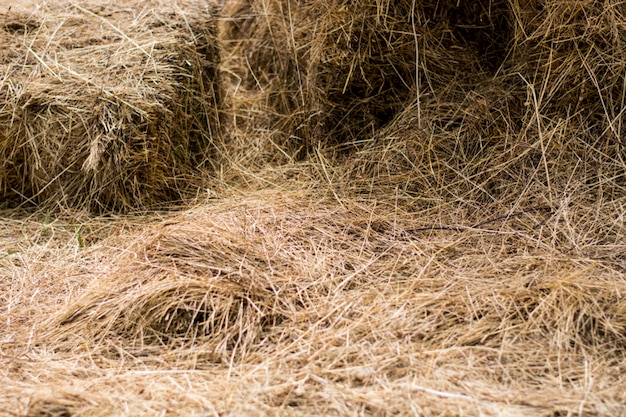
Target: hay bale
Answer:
pixel 507 90
pixel 108 106
pixel 473 102
pixel 335 71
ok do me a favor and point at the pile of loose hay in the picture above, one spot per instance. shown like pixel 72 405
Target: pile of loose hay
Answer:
pixel 444 100
pixel 313 308
pixel 107 106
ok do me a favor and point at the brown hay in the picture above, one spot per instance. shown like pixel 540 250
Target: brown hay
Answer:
pixel 469 100
pixel 571 57
pixel 195 284
pixel 335 71
pixel 107 106
pixel 64 403
pixel 464 257
pixel 288 287
pixel 545 125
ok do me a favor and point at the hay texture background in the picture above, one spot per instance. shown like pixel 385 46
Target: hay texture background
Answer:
pixel 335 71
pixel 419 209
pixel 107 106
pixel 282 302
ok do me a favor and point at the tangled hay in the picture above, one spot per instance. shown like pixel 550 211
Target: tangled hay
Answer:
pixel 571 57
pixel 108 106
pixel 335 71
pixel 546 123
pixel 279 287
pixel 451 244
pixel 479 94
pixel 195 283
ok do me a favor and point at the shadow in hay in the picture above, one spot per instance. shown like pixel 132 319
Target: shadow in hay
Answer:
pixel 333 72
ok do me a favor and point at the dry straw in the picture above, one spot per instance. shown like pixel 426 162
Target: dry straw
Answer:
pixel 107 106
pixel 333 309
pixel 453 243
pixel 335 71
pixel 479 102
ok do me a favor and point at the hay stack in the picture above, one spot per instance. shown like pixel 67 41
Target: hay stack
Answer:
pixel 335 71
pixel 109 106
pixel 545 121
pixel 470 101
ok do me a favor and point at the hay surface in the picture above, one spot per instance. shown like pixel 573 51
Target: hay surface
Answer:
pixel 107 106
pixel 462 256
pixel 281 304
pixel 333 72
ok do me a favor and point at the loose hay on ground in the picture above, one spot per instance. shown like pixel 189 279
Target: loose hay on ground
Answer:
pixel 107 106
pixel 312 303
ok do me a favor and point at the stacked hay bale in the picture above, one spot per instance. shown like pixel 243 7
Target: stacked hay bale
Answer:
pixel 335 71
pixel 106 106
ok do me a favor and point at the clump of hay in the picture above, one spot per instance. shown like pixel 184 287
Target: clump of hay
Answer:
pixel 218 283
pixel 60 402
pixel 333 72
pixel 479 102
pixel 545 122
pixel 108 106
pixel 197 282
pixel 459 152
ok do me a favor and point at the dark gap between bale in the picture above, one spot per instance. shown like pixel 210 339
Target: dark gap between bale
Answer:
pixel 107 106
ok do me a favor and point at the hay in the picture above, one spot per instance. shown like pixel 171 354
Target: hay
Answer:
pixel 571 57
pixel 479 96
pixel 106 106
pixel 377 314
pixel 195 284
pixel 460 253
pixel 333 72
pixel 544 123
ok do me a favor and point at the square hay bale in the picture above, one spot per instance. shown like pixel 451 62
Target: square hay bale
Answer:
pixel 109 106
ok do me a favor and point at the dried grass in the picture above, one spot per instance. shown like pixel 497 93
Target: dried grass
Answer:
pixel 571 57
pixel 333 72
pixel 303 307
pixel 462 255
pixel 109 107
